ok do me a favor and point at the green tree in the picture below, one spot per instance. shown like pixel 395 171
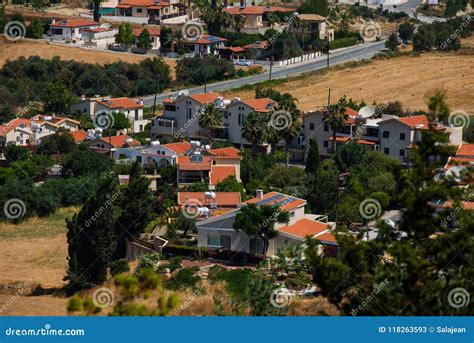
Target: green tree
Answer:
pixel 59 143
pixel 15 153
pixel 238 22
pixel 83 161
pixel 255 130
pixel 424 39
pixel 57 98
pixel 90 238
pixel 209 118
pixel 335 117
pixel 349 155
pixel 313 160
pixel 36 29
pixel 315 7
pixel 125 35
pixel 121 122
pixel 322 188
pixel 406 31
pixel 392 43
pixel 96 10
pixel 144 40
pixel 259 222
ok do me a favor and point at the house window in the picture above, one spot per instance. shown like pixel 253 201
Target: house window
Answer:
pixel 226 114
pixel 213 239
pixel 171 108
pixel 225 242
pixel 292 215
pixel 386 134
pixel 139 159
pixel 188 113
pixel 139 10
pixel 311 126
pixel 402 136
pixel 386 151
pixel 140 128
pixel 166 10
pixel 241 118
pixel 402 152
pixel 325 144
pixel 326 127
pixel 136 114
pixel 256 246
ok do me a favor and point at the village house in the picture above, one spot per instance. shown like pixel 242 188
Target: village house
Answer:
pixel 110 144
pixel 258 19
pixel 212 203
pixel 131 108
pixel 153 11
pixel 154 35
pixel 314 23
pixel 205 45
pixel 100 37
pixel 71 29
pixel 217 231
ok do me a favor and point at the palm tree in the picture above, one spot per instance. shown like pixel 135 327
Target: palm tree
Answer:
pixel 255 130
pixel 335 117
pixel 227 21
pixel 209 118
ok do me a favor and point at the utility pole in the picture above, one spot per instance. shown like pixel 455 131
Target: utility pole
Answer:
pixel 327 37
pixel 329 96
pixel 271 63
pixel 156 91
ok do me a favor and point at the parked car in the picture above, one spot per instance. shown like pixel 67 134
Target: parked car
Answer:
pixel 242 63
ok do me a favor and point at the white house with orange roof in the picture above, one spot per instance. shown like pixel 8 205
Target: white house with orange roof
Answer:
pixel 71 29
pixel 154 11
pixel 216 203
pixel 131 108
pixel 205 44
pixel 217 232
pixel 110 144
pixel 154 35
pixel 458 165
pixel 258 19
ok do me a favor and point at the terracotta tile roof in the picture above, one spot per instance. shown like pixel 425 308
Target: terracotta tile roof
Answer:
pixel 179 147
pixel 118 141
pixel 74 23
pixel 13 124
pixel 465 150
pixel 466 205
pixel 311 17
pixel 123 6
pixel 207 39
pixel 340 139
pixel 262 45
pixel 278 198
pixel 153 30
pixel 184 163
pixel 256 10
pixel 54 119
pixel 78 135
pixel 414 121
pixel 225 152
pixel 232 48
pixel 220 173
pixel 351 112
pixel 456 160
pixel 120 103
pixel 204 98
pixel 223 199
pixel 366 142
pixel 326 237
pixel 305 227
pixel 260 105
pixel 141 3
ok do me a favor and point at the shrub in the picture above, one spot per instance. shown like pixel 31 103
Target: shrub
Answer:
pixel 119 267
pixel 149 261
pixel 173 264
pixel 184 278
pixel 343 42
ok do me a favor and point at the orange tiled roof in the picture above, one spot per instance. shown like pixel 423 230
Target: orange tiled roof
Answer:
pixel 141 3
pixel 366 142
pixel 465 150
pixel 297 202
pixel 414 121
pixel 78 135
pixel 259 105
pixel 223 199
pixel 13 124
pixel 207 39
pixel 351 112
pixel 74 23
pixel 466 205
pixel 327 237
pixel 184 163
pixel 204 98
pixel 262 45
pixel 118 141
pixel 304 227
pixel 225 152
pixel 339 139
pixel 256 10
pixel 220 173
pixel 179 147
pixel 120 103
pixel 154 31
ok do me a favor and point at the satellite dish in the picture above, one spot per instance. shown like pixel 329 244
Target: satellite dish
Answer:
pixel 367 111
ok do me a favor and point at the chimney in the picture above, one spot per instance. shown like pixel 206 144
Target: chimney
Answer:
pixel 259 194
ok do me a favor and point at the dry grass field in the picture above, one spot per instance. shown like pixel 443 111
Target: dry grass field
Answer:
pixel 407 79
pixel 29 47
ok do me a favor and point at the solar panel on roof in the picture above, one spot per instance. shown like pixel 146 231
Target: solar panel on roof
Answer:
pixel 197 158
pixel 268 200
pixel 285 201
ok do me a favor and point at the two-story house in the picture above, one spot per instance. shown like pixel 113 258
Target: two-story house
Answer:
pixel 217 232
pixel 153 11
pixel 71 29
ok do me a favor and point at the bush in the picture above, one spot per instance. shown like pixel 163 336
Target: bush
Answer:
pixel 237 280
pixel 198 70
pixel 119 267
pixel 343 42
pixel 173 264
pixel 149 261
pixel 184 278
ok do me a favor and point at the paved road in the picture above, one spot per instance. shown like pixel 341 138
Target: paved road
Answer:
pixel 359 52
pixel 409 7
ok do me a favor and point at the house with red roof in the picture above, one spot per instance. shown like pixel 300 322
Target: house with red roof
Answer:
pixel 205 44
pixel 217 232
pixel 131 108
pixel 258 19
pixel 216 203
pixel 110 144
pixel 154 35
pixel 71 29
pixel 153 11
